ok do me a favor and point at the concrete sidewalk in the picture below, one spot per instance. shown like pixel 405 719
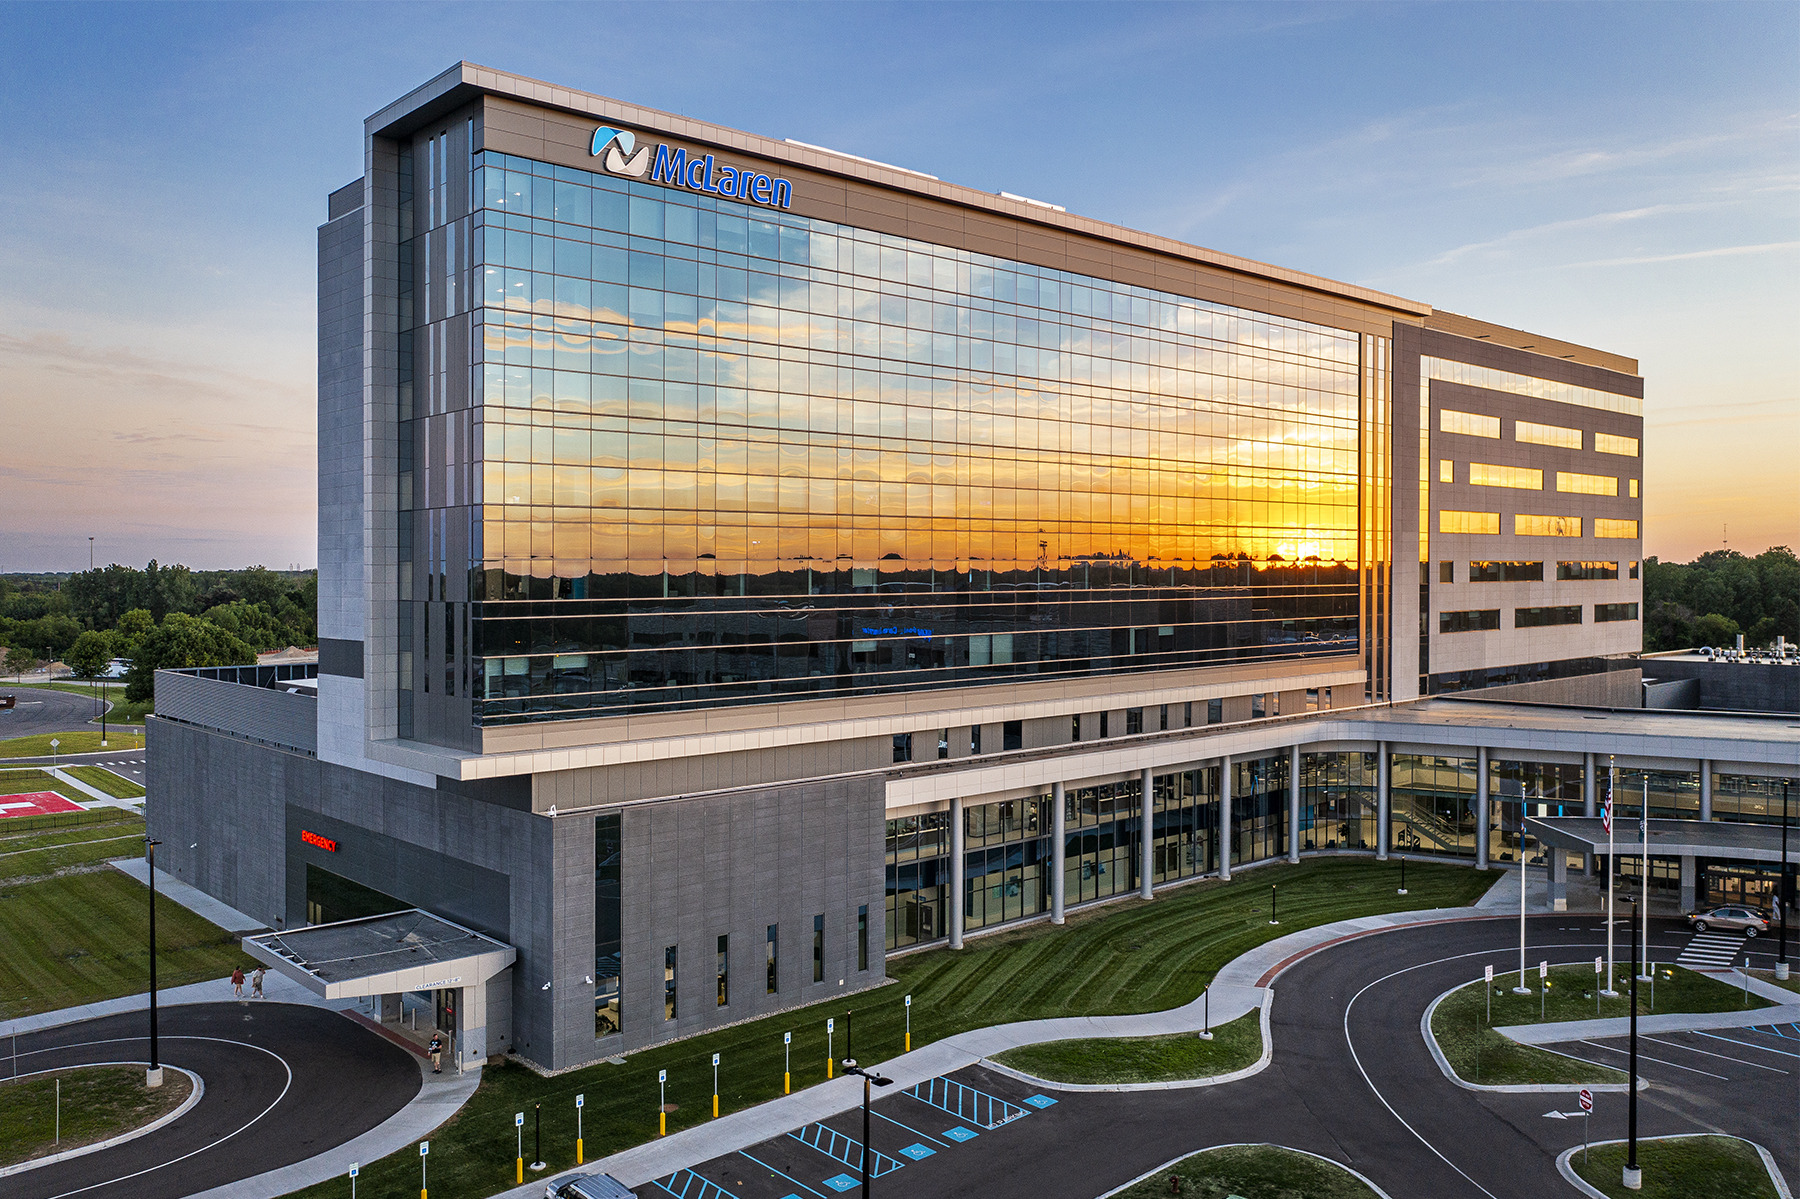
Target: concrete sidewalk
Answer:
pixel 135 806
pixel 191 898
pixel 1786 1010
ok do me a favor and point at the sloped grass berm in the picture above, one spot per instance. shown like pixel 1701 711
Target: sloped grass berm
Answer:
pixel 1100 1061
pixel 1251 1172
pixel 1123 958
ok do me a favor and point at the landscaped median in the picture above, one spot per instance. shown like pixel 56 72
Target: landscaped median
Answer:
pixel 1464 1023
pixel 85 741
pixel 1249 1172
pixel 1179 1057
pixel 1684 1167
pixel 102 779
pixel 1124 958
pixel 51 1113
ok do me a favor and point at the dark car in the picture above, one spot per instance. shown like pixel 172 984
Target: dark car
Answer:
pixel 1742 919
pixel 588 1186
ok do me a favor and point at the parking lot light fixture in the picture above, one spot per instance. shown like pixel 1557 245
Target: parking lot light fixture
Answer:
pixel 153 1075
pixel 850 1067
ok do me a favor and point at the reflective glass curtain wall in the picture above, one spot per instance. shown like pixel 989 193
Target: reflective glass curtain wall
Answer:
pixel 731 453
pixel 1339 806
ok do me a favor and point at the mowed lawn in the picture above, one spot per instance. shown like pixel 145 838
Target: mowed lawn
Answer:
pixel 25 780
pixel 1132 956
pixel 84 937
pixel 34 846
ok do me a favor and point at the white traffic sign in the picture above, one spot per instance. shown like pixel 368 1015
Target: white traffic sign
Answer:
pixel 1490 974
pixel 518 1119
pixel 787 1038
pixel 424 1148
pixel 1587 1100
pixel 354 1167
pixel 715 1059
pixel 1543 970
pixel 662 1076
pixel 580 1099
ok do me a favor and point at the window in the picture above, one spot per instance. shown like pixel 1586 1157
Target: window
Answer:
pixel 773 951
pixel 1556 435
pixel 1578 484
pixel 1608 443
pixel 669 983
pixel 1188 715
pixel 1577 571
pixel 902 747
pixel 1012 735
pixel 724 969
pixel 1468 522
pixel 1634 494
pixel 819 948
pixel 1446 572
pixel 974 739
pixel 1634 570
pixel 1524 478
pixel 1103 725
pixel 1215 711
pixel 1469 423
pixel 1134 721
pixel 1605 527
pixel 1446 470
pixel 1257 711
pixel 1312 699
pixel 862 937
pixel 1481 620
pixel 1162 719
pixel 1536 618
pixel 1506 572
pixel 607 857
pixel 943 743
pixel 1546 526
pixel 1606 613
pixel 1075 727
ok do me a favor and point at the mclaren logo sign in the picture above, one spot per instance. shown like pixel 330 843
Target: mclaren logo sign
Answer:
pixel 619 153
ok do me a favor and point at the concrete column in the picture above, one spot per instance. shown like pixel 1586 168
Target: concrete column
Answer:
pixel 1589 805
pixel 1687 882
pixel 956 874
pixel 1383 801
pixel 390 1009
pixel 1294 803
pixel 1559 879
pixel 1225 818
pixel 1705 789
pixel 1059 847
pixel 1147 821
pixel 1481 809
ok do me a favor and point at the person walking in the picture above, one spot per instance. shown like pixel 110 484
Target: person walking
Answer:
pixel 256 981
pixel 436 1050
pixel 237 981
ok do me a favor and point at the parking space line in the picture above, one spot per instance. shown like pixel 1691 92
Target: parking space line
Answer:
pixel 707 1189
pixel 1747 1044
pixel 1646 1058
pixel 839 1148
pixel 966 1103
pixel 1722 1056
pixel 779 1174
pixel 908 1128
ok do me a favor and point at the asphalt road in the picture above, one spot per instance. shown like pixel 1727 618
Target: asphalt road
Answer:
pixel 283 1082
pixel 44 710
pixel 1351 1079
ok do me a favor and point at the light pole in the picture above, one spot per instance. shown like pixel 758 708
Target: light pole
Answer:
pixel 1782 896
pixel 1633 1177
pixel 152 1076
pixel 1272 919
pixel 850 1067
pixel 90 553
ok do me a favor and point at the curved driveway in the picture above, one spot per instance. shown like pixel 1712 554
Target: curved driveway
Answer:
pixel 1350 1079
pixel 283 1082
pixel 46 710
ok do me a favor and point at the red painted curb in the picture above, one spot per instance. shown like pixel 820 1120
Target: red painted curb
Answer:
pixel 1271 972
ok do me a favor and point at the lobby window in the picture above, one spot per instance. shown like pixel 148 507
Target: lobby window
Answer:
pixel 1134 721
pixel 862 937
pixel 1546 526
pixel 1581 571
pixel 1480 620
pixel 1535 618
pixel 902 747
pixel 1446 572
pixel 724 969
pixel 669 983
pixel 819 948
pixel 1607 613
pixel 1215 711
pixel 1012 735
pixel 1506 572
pixel 772 951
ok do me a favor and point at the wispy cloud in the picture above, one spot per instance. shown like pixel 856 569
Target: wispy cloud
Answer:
pixel 1773 247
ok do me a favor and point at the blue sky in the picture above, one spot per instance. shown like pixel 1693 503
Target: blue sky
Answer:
pixel 1617 174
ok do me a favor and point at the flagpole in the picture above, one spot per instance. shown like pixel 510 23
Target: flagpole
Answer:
pixel 1644 889
pixel 1611 869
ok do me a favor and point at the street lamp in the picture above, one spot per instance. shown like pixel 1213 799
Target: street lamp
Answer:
pixel 1782 891
pixel 1633 1178
pixel 152 1076
pixel 850 1067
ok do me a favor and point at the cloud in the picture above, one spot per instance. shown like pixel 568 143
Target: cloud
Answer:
pixel 1773 247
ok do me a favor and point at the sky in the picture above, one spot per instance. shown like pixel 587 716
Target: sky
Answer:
pixel 1622 175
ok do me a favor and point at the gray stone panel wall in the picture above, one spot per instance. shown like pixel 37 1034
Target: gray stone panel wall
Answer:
pixel 1732 686
pixel 716 772
pixel 341 417
pixel 259 713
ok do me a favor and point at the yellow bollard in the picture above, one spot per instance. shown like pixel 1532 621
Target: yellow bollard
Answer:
pixel 787 1083
pixel 520 1177
pixel 662 1124
pixel 715 1105
pixel 909 1041
pixel 827 1067
pixel 578 1151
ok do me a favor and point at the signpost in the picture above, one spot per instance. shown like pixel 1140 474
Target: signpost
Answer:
pixel 1543 986
pixel 354 1167
pixel 662 1103
pixel 424 1152
pixel 1490 993
pixel 1587 1116
pixel 830 1027
pixel 1596 987
pixel 715 1086
pixel 579 1100
pixel 909 1024
pixel 787 1064
pixel 519 1127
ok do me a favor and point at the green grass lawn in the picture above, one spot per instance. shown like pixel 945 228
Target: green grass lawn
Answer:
pixel 1235 1045
pixel 1479 1054
pixel 25 780
pixel 85 937
pixel 35 852
pixel 123 711
pixel 1252 1172
pixel 102 779
pixel 1768 976
pixel 1684 1168
pixel 84 741
pixel 97 1102
pixel 1127 957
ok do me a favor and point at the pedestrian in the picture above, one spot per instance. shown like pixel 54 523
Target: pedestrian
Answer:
pixel 256 981
pixel 436 1049
pixel 237 981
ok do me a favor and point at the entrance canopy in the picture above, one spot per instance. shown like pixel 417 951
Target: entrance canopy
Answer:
pixel 382 955
pixel 1668 838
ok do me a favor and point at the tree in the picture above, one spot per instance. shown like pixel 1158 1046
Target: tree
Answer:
pixel 179 641
pixel 131 629
pixel 1714 629
pixel 90 654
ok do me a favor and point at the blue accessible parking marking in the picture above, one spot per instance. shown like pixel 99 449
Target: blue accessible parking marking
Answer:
pixel 966 1103
pixel 843 1182
pixel 918 1152
pixel 837 1146
pixel 962 1134
pixel 1040 1101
